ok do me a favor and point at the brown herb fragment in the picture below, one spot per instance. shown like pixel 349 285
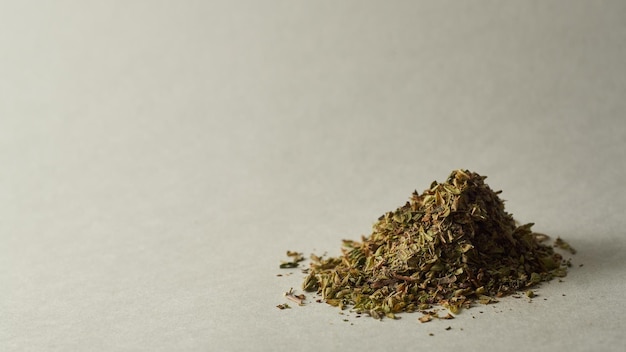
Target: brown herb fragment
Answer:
pixel 425 318
pixel 299 299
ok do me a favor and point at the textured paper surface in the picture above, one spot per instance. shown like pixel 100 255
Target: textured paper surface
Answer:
pixel 159 157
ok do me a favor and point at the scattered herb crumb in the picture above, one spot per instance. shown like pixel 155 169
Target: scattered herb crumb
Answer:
pixel 296 258
pixel 299 299
pixel 425 318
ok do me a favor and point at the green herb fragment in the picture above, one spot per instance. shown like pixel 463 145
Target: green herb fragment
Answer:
pixel 288 265
pixel 564 245
pixel 295 261
pixel 452 245
pixel 486 299
pixel 283 306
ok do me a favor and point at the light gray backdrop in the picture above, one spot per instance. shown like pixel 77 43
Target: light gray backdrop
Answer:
pixel 159 157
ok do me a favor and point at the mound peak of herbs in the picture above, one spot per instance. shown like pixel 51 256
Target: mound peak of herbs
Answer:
pixel 452 245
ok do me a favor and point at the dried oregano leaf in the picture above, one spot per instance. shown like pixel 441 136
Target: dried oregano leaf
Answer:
pixel 452 245
pixel 294 262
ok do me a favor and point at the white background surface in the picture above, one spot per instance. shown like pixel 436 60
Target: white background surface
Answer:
pixel 159 157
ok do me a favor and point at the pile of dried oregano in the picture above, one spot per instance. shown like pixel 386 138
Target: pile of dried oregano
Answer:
pixel 452 245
